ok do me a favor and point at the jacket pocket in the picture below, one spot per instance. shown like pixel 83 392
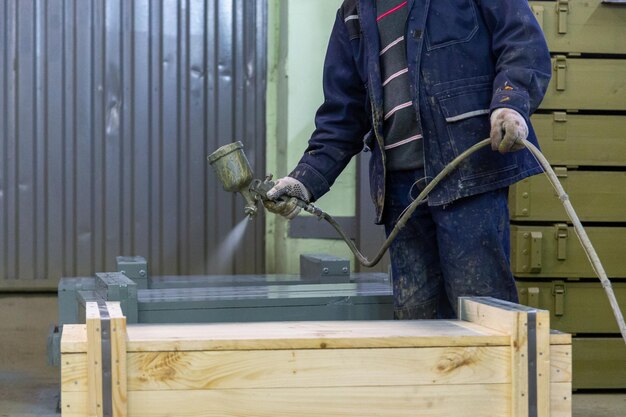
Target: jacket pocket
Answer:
pixel 466 122
pixel 465 114
pixel 450 22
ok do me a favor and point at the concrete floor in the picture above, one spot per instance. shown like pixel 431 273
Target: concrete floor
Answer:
pixel 29 388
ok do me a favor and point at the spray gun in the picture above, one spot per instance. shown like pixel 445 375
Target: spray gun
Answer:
pixel 234 172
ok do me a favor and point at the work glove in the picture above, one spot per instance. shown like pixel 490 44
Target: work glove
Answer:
pixel 286 187
pixel 508 129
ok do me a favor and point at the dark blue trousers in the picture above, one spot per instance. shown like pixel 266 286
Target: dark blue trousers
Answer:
pixel 446 252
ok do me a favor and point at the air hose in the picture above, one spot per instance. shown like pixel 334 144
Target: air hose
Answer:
pixel 594 260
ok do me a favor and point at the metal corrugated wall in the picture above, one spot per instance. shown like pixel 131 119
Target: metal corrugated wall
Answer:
pixel 108 109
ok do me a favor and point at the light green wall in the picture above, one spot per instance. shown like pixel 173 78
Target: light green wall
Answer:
pixel 298 36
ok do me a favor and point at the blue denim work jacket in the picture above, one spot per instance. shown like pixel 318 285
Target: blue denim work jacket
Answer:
pixel 466 58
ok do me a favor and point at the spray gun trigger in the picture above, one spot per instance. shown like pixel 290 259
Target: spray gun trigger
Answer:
pixel 260 188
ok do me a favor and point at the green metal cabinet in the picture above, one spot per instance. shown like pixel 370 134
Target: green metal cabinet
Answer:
pixel 581 126
pixel 598 196
pixel 582 139
pixel 582 26
pixel 554 251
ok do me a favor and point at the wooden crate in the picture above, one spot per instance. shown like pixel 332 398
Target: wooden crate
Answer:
pixel 500 359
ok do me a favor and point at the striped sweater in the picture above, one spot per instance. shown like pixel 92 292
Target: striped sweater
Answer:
pixel 402 136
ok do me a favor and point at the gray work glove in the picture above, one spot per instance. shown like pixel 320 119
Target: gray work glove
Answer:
pixel 286 187
pixel 508 129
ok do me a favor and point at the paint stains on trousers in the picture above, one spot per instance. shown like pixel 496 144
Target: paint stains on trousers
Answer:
pixel 446 252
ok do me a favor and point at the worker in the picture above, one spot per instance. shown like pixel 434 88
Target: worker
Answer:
pixel 416 83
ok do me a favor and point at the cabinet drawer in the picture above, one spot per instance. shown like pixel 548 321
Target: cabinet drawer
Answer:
pixel 596 196
pixel 575 307
pixel 589 140
pixel 555 251
pixel 582 26
pixel 599 363
pixel 586 84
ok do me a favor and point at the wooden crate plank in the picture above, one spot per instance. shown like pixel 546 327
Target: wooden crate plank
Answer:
pixel 560 363
pixel 74 372
pixel 609 242
pixel 561 399
pixel 534 199
pixel 588 26
pixel 308 335
pixel 558 337
pixel 317 368
pixel 581 139
pixel 74 404
pixel 544 359
pixel 94 359
pixel 119 377
pixel 203 370
pixel 429 401
pixel 488 316
pixel 74 381
pixel 74 338
pixel 587 84
pixel 513 322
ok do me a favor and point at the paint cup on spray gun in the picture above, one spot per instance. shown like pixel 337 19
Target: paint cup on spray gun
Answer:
pixel 234 172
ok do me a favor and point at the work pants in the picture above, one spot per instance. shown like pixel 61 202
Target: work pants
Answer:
pixel 445 252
